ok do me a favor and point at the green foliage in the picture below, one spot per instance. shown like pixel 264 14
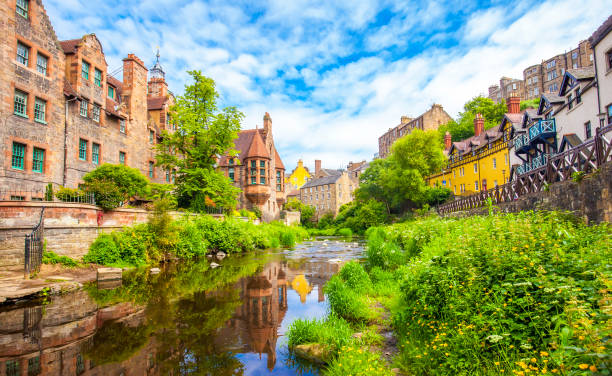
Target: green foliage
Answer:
pixel 358 216
pixel 165 232
pixel 69 194
pixel 346 302
pixel 332 332
pixel 50 257
pixel 115 342
pixel 382 251
pixel 108 195
pixel 128 181
pixel 357 361
pixel 158 192
pixel 49 192
pixel 399 180
pixel 257 212
pixel 437 195
pixel 203 134
pixel 355 276
pixel 578 176
pixel 131 246
pixel 532 103
pixel 326 221
pixel 103 251
pixel 499 294
pixel 307 212
pixel 346 232
pixel 463 126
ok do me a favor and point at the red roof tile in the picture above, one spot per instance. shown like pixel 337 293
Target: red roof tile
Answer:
pixel 257 149
pixel 156 103
pixel 277 160
pixel 69 46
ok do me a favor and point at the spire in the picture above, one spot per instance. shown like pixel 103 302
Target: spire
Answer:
pixel 157 71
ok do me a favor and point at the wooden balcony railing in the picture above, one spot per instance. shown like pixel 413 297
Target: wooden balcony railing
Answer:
pixel 585 157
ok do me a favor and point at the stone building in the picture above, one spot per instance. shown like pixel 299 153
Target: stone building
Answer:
pixel 62 114
pixel 429 120
pixel 544 77
pixel 328 190
pixel 257 170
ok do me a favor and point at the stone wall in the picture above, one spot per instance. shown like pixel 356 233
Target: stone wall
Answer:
pixel 291 218
pixel 70 228
pixel 590 199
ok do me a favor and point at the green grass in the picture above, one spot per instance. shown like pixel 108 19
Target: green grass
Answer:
pixel 50 257
pixel 333 332
pixel 358 361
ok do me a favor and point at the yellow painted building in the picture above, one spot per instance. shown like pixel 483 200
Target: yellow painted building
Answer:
pixel 479 162
pixel 299 176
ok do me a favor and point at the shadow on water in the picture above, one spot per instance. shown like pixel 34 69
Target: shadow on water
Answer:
pixel 188 319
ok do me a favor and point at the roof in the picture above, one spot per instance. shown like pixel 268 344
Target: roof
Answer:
pixel 156 103
pixel 322 181
pixel 578 74
pixel 115 82
pixel 110 108
pixel 278 163
pixel 69 90
pixel 549 98
pixel 330 172
pixel 69 46
pixel 570 140
pixel 601 32
pixel 257 148
pixel 582 73
pixel 476 142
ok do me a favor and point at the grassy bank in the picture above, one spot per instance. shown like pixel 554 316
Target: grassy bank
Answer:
pixel 513 294
pixel 189 237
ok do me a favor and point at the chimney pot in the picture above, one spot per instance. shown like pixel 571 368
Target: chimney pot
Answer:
pixel 447 140
pixel 317 166
pixel 478 125
pixel 514 105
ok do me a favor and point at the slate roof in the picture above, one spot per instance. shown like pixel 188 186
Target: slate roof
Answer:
pixel 601 32
pixel 69 46
pixel 156 103
pixel 582 73
pixel 476 142
pixel 322 181
pixel 257 149
pixel 569 139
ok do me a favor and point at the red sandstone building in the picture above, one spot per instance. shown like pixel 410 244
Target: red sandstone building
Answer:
pixel 62 114
pixel 257 170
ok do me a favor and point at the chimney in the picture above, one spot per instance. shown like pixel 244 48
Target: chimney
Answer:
pixel 478 125
pixel 447 140
pixel 267 123
pixel 317 166
pixel 405 120
pixel 135 87
pixel 514 105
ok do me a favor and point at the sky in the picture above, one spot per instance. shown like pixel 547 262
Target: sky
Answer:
pixel 334 75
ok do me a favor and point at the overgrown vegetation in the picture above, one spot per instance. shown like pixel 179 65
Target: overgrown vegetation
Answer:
pixel 307 212
pixel 191 236
pixel 52 258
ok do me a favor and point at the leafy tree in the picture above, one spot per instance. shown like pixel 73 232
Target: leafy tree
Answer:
pixel 463 126
pixel 399 181
pixel 307 212
pixel 361 215
pixel 114 184
pixel 437 195
pixel 532 103
pixel 204 133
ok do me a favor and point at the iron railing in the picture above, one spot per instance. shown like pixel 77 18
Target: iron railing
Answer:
pixel 42 195
pixel 585 157
pixel 34 246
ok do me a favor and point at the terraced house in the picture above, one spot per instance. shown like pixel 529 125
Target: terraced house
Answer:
pixel 62 114
pixel 482 161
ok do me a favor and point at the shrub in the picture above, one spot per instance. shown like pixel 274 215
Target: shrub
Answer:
pixel 50 257
pixel 129 181
pixel 49 192
pixel 332 332
pixel 107 194
pixel 355 276
pixel 69 195
pixel 103 251
pixel 164 231
pixel 133 244
pixel 346 232
pixel 382 252
pixel 326 221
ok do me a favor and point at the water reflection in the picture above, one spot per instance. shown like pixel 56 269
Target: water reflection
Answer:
pixel 189 319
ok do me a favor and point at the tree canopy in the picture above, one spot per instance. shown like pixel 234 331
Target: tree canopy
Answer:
pixel 463 126
pixel 399 180
pixel 203 135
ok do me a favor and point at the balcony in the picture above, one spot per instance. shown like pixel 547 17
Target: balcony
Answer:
pixel 538 132
pixel 537 162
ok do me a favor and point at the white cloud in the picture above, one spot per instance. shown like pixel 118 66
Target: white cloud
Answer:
pixel 358 74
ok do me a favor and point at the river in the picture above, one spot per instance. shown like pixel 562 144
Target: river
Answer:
pixel 189 319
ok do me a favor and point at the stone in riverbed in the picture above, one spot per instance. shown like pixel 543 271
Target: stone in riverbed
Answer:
pixel 109 274
pixel 214 265
pixel 220 255
pixel 313 352
pixel 155 270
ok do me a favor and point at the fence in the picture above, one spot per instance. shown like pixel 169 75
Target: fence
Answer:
pixel 583 158
pixel 48 196
pixel 34 246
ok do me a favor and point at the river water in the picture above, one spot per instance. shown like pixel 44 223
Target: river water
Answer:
pixel 188 319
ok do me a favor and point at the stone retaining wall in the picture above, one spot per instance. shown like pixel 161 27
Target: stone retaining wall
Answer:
pixel 590 199
pixel 70 228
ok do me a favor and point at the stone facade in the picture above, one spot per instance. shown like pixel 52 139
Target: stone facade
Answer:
pixel 258 171
pixel 429 120
pixel 543 78
pixel 328 190
pixel 62 114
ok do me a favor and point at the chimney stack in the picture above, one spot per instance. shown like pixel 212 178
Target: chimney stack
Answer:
pixel 447 141
pixel 267 122
pixel 405 120
pixel 514 105
pixel 317 166
pixel 478 125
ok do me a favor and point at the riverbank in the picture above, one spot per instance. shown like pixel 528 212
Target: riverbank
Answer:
pixel 500 294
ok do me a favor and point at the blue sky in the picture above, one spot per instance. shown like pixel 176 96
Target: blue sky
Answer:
pixel 334 75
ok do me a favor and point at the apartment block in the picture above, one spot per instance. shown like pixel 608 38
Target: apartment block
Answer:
pixel 429 120
pixel 63 114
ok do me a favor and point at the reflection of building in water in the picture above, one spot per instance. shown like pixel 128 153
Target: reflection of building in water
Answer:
pixel 301 286
pixel 54 343
pixel 257 320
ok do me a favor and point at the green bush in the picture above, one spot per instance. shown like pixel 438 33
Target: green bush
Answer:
pixel 69 194
pixel 383 252
pixel 346 302
pixel 50 257
pixel 129 181
pixel 355 276
pixel 346 232
pixel 107 194
pixel 103 251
